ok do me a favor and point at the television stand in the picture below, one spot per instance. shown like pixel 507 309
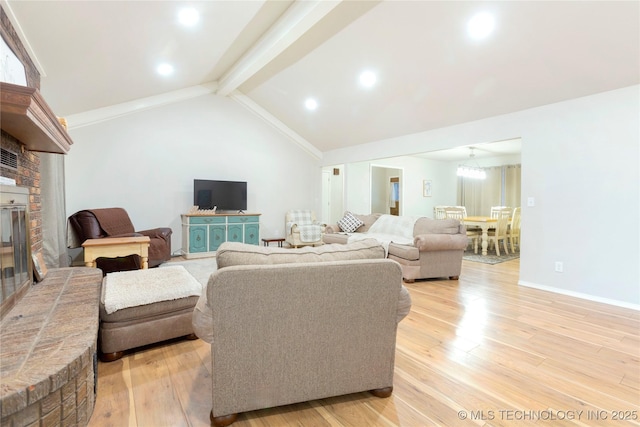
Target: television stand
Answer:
pixel 202 234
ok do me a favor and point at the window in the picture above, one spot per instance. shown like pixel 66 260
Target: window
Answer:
pixel 500 188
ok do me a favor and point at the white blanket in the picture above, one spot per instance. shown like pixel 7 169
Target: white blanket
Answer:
pixel 400 226
pixel 125 289
pixel 387 229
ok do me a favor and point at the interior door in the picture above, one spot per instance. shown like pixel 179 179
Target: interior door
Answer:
pixel 394 188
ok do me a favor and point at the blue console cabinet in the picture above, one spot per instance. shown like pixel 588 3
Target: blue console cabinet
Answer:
pixel 203 234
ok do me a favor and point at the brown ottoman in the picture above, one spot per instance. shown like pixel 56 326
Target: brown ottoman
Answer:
pixel 144 307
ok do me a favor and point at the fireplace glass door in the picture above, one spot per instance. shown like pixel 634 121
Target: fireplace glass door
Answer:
pixel 15 262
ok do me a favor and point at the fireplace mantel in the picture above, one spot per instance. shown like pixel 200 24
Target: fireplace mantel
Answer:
pixel 27 117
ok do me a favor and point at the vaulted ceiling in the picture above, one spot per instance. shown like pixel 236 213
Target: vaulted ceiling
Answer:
pixel 274 55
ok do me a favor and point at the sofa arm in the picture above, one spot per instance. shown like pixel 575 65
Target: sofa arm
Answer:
pixel 163 233
pixel 404 304
pixel 440 242
pixel 86 226
pixel 137 234
pixel 332 228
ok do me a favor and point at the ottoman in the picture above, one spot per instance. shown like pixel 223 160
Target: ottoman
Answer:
pixel 143 307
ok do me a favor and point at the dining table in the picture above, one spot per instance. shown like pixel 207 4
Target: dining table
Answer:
pixel 484 223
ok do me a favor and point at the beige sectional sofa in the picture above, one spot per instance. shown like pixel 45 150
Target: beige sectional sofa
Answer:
pixel 293 325
pixel 435 251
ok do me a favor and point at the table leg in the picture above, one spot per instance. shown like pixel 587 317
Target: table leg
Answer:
pixel 89 258
pixel 145 262
pixel 485 239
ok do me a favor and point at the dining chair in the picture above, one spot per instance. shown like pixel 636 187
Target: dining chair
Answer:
pixel 499 233
pixel 514 230
pixel 500 211
pixel 439 212
pixel 459 213
pixel 454 212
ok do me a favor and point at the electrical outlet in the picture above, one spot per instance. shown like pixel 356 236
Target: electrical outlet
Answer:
pixel 559 267
pixel 531 201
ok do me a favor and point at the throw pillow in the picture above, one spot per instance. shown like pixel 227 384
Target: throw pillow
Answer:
pixel 349 223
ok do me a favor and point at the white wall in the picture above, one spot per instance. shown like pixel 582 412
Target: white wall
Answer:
pixel 414 171
pixel 580 160
pixel 146 163
pixel 357 187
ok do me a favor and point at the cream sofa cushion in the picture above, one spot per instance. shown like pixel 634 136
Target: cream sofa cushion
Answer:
pixel 233 253
pixel 368 221
pixel 407 252
pixel 426 225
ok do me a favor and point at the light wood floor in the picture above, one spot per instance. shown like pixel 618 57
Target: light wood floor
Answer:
pixel 481 351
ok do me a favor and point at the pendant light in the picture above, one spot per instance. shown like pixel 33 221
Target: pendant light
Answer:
pixel 473 172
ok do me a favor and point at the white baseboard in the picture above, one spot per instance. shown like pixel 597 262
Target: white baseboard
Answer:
pixel 580 295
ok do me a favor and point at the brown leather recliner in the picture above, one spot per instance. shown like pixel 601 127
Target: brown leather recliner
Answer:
pixel 115 222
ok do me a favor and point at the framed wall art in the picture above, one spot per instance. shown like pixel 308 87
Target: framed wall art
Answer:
pixel 426 188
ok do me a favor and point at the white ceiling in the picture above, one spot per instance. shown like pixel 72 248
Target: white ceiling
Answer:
pixel 275 54
pixel 493 149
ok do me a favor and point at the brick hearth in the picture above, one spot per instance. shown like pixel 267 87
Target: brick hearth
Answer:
pixel 48 351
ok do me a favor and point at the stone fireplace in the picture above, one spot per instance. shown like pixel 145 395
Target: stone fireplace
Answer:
pixel 48 353
pixel 48 331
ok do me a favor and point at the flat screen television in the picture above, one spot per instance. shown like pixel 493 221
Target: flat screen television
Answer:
pixel 222 195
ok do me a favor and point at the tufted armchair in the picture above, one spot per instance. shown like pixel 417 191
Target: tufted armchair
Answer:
pixel 283 329
pixel 302 228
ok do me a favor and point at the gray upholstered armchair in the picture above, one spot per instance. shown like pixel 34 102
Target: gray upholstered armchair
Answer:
pixel 292 325
pixel 303 229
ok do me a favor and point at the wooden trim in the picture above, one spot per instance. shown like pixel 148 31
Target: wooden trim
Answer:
pixel 27 117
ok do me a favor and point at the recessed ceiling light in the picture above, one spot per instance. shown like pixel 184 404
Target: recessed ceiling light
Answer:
pixel 481 25
pixel 188 16
pixel 311 104
pixel 368 78
pixel 165 69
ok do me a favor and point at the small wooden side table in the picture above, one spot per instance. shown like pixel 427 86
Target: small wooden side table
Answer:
pixel 278 240
pixel 112 247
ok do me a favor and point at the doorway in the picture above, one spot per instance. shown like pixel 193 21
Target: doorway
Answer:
pixel 394 199
pixel 332 194
pixel 386 190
